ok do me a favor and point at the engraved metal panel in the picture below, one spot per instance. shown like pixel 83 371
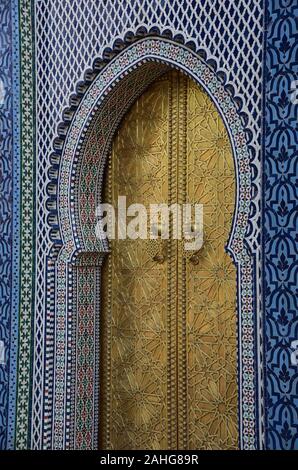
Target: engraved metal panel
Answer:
pixel 211 284
pixel 135 301
pixel 168 342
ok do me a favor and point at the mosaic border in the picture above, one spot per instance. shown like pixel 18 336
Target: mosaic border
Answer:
pixel 27 227
pixel 14 335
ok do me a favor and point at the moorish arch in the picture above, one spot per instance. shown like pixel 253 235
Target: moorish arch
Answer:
pixel 74 263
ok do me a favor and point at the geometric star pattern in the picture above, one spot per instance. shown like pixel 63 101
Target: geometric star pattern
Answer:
pixel 169 329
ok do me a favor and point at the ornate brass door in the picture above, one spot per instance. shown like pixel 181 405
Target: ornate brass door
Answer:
pixel 168 339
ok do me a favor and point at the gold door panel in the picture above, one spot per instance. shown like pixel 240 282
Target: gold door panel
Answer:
pixel 134 342
pixel 211 284
pixel 168 329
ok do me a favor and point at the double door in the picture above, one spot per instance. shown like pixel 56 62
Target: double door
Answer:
pixel 168 315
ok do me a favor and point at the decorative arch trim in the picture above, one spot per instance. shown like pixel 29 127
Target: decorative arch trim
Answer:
pixel 93 119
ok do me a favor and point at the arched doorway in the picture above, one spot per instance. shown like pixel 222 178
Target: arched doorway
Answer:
pixel 168 322
pixel 75 261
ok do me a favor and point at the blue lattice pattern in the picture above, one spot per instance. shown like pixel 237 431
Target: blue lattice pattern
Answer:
pixel 281 225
